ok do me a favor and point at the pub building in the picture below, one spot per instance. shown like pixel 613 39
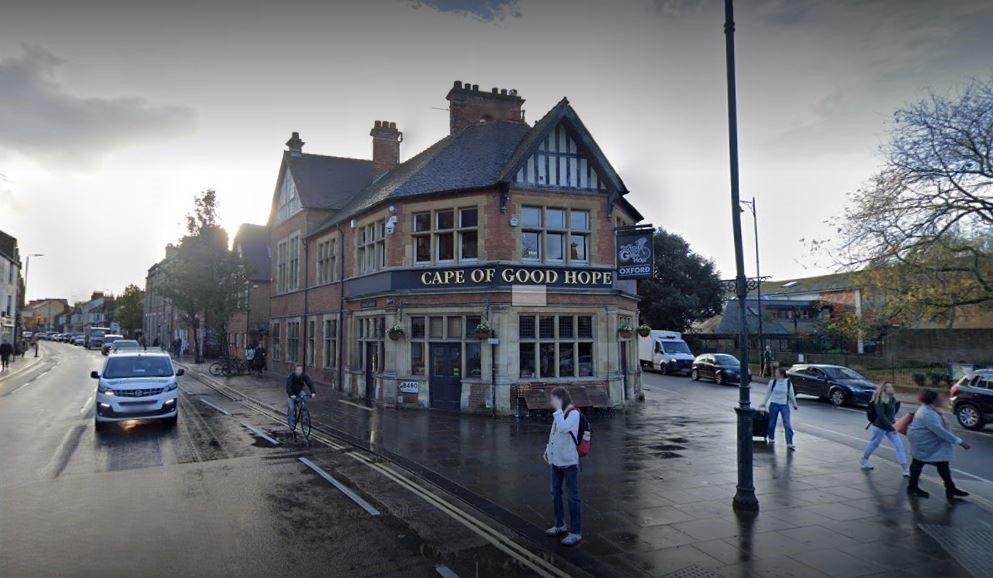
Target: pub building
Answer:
pixel 475 276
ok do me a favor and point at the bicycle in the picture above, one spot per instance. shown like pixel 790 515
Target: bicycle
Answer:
pixel 228 367
pixel 302 416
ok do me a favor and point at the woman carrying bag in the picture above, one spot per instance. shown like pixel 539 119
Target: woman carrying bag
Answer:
pixel 779 397
pixel 932 442
pixel 882 411
pixel 562 455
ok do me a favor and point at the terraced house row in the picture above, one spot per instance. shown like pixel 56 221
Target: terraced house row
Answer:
pixel 472 277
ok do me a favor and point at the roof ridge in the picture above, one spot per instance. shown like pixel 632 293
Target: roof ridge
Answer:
pixel 336 157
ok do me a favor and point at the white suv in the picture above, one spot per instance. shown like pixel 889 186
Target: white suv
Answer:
pixel 137 385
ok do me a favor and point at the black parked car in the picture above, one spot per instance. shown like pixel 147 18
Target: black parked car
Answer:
pixel 972 399
pixel 835 383
pixel 720 367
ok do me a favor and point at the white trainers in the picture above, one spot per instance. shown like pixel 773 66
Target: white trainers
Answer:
pixel 791 447
pixel 906 471
pixel 556 530
pixel 571 539
pixel 866 464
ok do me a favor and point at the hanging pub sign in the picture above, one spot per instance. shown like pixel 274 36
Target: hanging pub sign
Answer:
pixel 635 252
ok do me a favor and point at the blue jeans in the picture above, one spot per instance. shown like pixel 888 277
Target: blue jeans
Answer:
pixel 570 475
pixel 291 410
pixel 877 438
pixel 775 409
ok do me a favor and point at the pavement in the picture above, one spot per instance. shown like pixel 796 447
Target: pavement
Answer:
pixel 657 487
pixel 214 495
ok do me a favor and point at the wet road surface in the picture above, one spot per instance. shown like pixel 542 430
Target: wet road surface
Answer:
pixel 205 497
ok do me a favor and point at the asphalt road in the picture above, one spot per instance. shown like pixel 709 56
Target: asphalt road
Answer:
pixel 205 497
pixel 844 425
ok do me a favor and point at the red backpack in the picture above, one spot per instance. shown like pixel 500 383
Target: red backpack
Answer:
pixel 583 443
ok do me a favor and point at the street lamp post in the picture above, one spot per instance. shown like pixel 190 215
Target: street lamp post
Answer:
pixel 744 497
pixel 27 267
pixel 758 274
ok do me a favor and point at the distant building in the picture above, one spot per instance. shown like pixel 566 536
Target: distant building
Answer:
pixel 251 323
pixel 10 284
pixel 41 314
pixel 161 323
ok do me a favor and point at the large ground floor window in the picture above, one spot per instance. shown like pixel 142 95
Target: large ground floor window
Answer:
pixel 292 341
pixel 553 346
pixel 425 329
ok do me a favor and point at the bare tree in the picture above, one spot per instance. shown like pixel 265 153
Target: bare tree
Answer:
pixel 922 229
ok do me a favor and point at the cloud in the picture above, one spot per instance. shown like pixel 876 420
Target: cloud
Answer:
pixel 486 10
pixel 42 120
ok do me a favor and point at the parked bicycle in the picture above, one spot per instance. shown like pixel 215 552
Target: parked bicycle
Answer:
pixel 228 367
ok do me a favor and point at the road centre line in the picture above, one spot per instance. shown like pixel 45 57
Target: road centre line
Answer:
pixel 344 489
pixel 86 404
pixel 505 544
pixel 260 433
pixel 218 408
pixel 355 405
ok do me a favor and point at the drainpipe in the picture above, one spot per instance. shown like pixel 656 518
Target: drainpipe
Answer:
pixel 341 310
pixel 493 365
pixel 306 304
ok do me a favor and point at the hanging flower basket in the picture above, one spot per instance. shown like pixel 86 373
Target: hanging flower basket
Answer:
pixel 625 332
pixel 395 332
pixel 483 330
pixel 644 330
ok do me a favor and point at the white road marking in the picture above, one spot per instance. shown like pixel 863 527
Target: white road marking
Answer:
pixel 218 408
pixel 260 433
pixel 20 387
pixel 86 405
pixel 344 489
pixel 445 571
pixel 355 405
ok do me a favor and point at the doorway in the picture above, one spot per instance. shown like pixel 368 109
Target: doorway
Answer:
pixel 445 383
pixel 624 367
pixel 371 362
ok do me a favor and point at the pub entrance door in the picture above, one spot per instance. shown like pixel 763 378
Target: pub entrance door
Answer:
pixel 445 382
pixel 371 363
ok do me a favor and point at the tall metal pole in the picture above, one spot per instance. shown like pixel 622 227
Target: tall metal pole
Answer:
pixel 758 275
pixel 744 497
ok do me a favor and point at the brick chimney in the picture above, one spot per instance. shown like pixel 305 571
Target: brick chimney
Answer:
pixel 467 106
pixel 295 145
pixel 386 141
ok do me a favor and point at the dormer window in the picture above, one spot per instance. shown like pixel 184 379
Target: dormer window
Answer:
pixel 289 199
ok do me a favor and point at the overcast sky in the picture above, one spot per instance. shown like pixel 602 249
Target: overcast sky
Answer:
pixel 113 114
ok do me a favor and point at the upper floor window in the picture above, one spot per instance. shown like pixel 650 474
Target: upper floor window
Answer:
pixel 293 283
pixel 282 257
pixel 552 234
pixel 326 260
pixel 446 235
pixel 289 200
pixel 371 247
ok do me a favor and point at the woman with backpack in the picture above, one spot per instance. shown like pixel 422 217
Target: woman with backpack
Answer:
pixel 881 414
pixel 779 396
pixel 932 442
pixel 562 455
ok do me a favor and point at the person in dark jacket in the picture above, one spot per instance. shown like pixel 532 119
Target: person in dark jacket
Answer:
pixel 885 407
pixel 6 352
pixel 295 383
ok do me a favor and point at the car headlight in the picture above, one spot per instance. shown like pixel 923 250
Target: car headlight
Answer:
pixel 171 386
pixel 105 390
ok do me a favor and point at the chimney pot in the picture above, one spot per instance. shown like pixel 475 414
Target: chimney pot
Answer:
pixel 470 107
pixel 295 145
pixel 503 91
pixel 393 125
pixel 475 88
pixel 494 90
pixel 458 84
pixel 385 147
pixel 513 92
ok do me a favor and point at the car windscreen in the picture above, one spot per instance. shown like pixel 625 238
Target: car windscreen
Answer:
pixel 675 347
pixel 727 360
pixel 125 367
pixel 840 373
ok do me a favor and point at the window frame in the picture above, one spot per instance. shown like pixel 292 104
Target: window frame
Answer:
pixel 370 247
pixel 534 343
pixel 566 232
pixel 434 233
pixel 326 261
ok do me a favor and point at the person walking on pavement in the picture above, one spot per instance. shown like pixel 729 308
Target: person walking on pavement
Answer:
pixel 779 397
pixel 882 411
pixel 932 442
pixel 35 345
pixel 260 358
pixel 6 350
pixel 295 383
pixel 563 457
pixel 767 362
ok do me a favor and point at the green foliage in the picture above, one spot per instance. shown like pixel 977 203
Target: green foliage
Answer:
pixel 203 279
pixel 922 228
pixel 686 287
pixel 130 309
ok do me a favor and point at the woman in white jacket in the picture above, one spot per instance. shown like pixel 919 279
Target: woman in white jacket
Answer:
pixel 779 397
pixel 561 454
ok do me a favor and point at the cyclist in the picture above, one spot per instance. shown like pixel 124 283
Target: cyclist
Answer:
pixel 295 383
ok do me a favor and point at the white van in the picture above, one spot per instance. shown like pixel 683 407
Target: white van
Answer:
pixel 665 351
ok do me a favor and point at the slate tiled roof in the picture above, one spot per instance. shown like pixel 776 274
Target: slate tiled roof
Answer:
pixel 831 282
pixel 327 182
pixel 254 240
pixel 728 323
pixel 479 156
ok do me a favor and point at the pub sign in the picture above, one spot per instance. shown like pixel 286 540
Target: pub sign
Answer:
pixel 635 252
